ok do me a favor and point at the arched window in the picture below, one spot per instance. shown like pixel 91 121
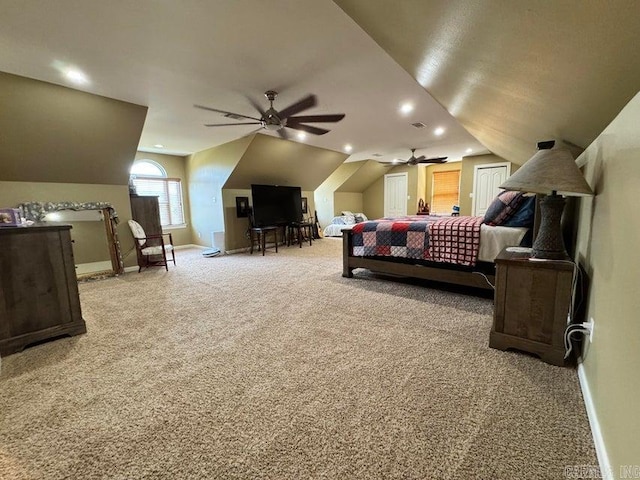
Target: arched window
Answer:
pixel 149 178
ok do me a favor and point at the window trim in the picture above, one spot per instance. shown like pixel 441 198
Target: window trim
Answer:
pixel 166 180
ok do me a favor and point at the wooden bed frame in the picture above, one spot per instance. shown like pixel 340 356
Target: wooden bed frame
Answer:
pixel 469 277
pixel 482 276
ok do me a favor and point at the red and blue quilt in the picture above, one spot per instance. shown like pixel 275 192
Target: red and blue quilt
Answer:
pixel 440 239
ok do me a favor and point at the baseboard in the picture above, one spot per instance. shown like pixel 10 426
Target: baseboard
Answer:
pixel 131 269
pixel 190 245
pixel 606 469
pixel 237 250
pixel 93 267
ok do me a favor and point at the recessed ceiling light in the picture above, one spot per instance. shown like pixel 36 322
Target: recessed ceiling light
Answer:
pixel 158 145
pixel 76 76
pixel 302 135
pixel 348 148
pixel 406 108
pixel 439 131
pixel 469 150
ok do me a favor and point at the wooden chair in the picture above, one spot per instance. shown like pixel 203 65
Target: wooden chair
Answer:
pixel 151 249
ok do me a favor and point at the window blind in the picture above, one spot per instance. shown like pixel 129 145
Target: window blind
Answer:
pixel 446 191
pixel 169 193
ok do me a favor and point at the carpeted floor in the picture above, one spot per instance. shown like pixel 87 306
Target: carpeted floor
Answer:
pixel 276 367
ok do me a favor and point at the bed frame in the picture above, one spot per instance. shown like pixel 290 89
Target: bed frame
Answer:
pixel 478 277
pixel 481 276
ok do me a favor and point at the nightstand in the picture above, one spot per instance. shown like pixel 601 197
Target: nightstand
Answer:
pixel 532 302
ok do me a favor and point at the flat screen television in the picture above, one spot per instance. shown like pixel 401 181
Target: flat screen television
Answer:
pixel 276 205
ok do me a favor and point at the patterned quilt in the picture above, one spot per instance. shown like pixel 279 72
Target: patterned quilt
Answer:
pixel 441 239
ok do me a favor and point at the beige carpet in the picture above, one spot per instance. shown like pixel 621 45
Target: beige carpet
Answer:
pixel 277 367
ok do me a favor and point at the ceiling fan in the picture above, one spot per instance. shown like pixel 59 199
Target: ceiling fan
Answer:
pixel 415 161
pixel 271 119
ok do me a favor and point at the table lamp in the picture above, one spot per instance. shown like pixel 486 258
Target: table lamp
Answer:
pixel 554 173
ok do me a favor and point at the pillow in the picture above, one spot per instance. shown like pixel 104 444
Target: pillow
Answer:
pixel 349 219
pixel 502 208
pixel 525 214
pixel 361 217
pixel 338 221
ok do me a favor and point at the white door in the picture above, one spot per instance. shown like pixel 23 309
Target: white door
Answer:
pixel 395 194
pixel 486 180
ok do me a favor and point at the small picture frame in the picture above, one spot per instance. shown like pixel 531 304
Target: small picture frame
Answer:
pixel 10 217
pixel 242 207
pixel 305 208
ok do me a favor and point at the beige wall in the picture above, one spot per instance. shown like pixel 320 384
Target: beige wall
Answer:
pixel 607 246
pixel 373 197
pixel 235 228
pixel 207 172
pixel 324 194
pixel 13 193
pixel 347 201
pixel 373 200
pixel 176 168
pixel 51 133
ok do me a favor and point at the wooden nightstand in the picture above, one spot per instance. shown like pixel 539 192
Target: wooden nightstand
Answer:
pixel 532 301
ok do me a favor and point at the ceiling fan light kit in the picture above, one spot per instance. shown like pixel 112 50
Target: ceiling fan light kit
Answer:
pixel 276 121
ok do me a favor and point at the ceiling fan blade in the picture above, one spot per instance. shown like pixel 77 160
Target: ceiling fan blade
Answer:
pixel 392 164
pixel 224 112
pixel 256 105
pixel 307 128
pixel 420 158
pixel 434 160
pixel 231 124
pixel 336 117
pixel 306 102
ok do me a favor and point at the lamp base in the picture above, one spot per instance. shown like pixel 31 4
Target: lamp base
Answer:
pixel 549 244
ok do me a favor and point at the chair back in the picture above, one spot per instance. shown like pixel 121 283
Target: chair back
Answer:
pixel 138 232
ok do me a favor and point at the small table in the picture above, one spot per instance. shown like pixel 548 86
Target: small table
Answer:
pixel 260 234
pixel 300 229
pixel 532 300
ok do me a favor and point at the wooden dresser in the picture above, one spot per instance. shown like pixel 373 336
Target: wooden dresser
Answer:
pixel 532 301
pixel 38 287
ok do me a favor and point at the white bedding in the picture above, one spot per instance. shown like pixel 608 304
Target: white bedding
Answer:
pixel 333 230
pixel 494 239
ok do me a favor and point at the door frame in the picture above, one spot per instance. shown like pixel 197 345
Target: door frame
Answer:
pixel 406 189
pixel 475 179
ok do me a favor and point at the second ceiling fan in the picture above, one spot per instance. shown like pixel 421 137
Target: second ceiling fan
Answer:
pixel 275 120
pixel 415 160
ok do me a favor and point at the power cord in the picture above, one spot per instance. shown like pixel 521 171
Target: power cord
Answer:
pixel 581 328
pixel 486 279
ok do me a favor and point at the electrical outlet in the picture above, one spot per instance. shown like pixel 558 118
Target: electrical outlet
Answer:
pixel 199 236
pixel 589 326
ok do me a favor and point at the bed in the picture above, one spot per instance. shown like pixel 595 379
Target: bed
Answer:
pixel 458 250
pixel 345 221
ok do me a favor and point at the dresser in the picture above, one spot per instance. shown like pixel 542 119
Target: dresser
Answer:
pixel 38 287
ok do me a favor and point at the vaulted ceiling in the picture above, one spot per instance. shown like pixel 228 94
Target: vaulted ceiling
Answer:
pixel 513 73
pixel 507 73
pixel 171 55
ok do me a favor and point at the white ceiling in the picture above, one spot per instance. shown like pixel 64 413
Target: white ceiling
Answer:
pixel 171 55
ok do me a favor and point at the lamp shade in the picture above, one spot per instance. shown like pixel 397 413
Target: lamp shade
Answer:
pixel 549 171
